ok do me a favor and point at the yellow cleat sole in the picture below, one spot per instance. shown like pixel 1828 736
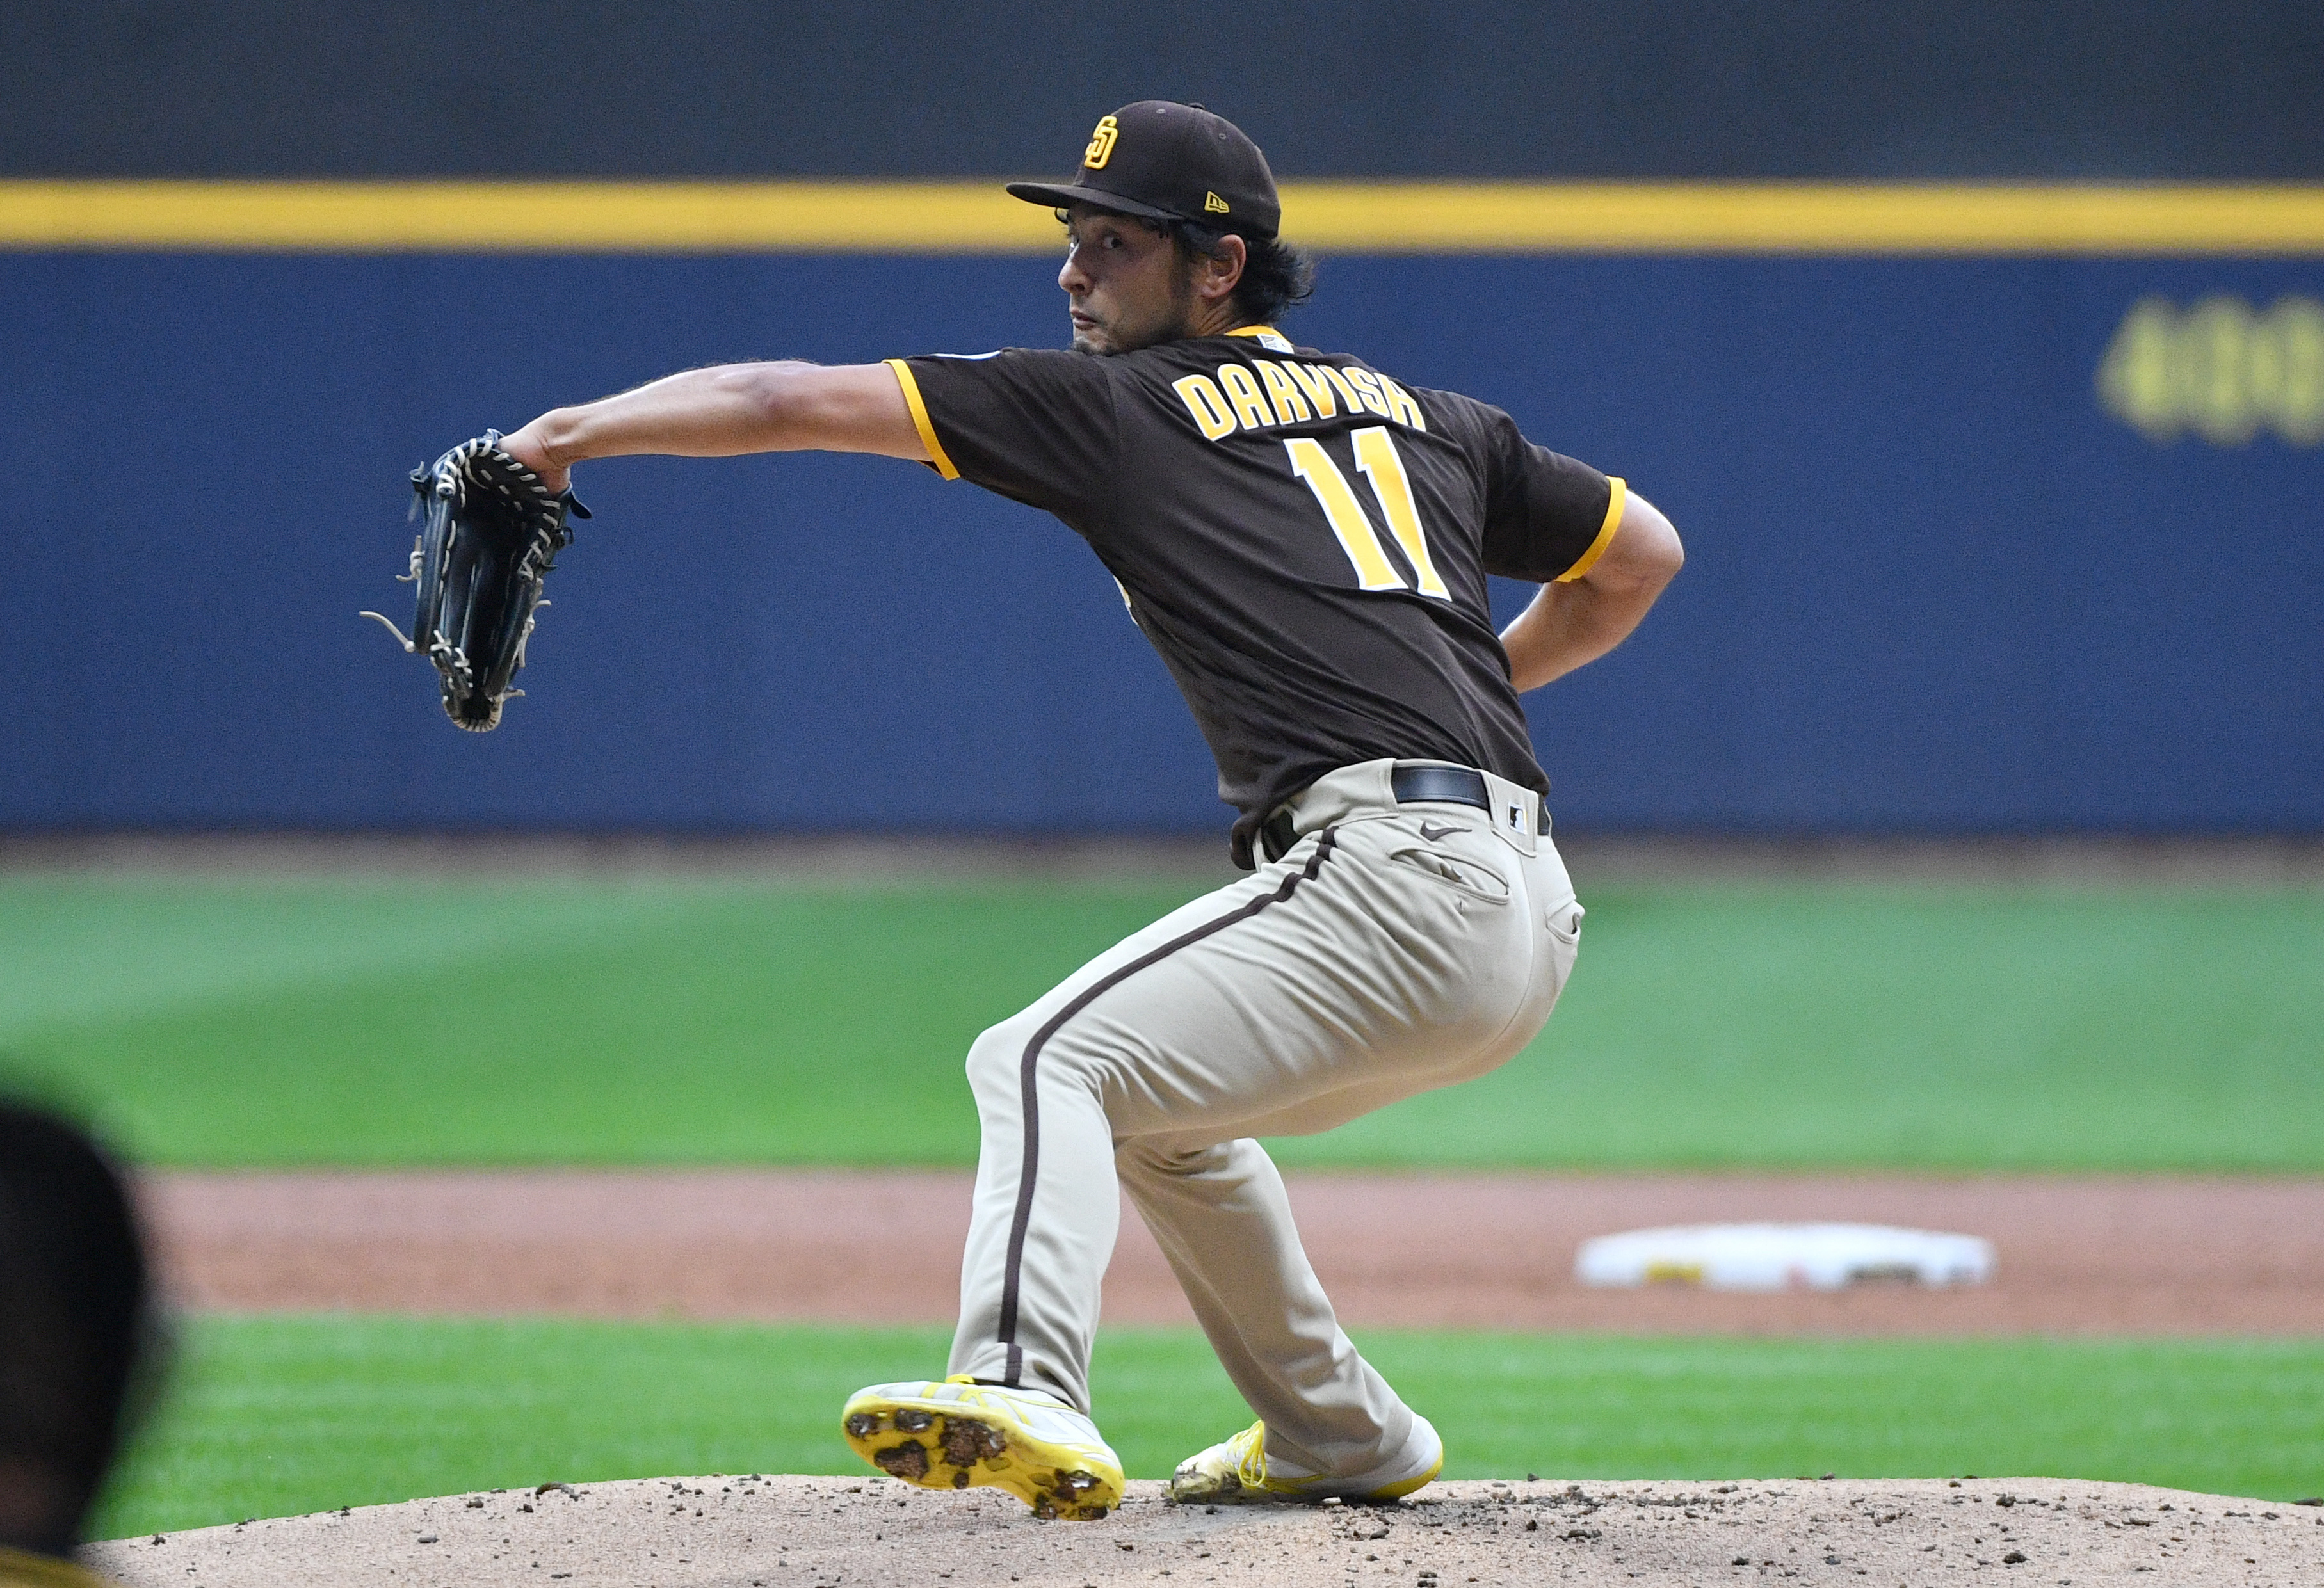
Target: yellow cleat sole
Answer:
pixel 1409 1485
pixel 1221 1484
pixel 1233 1490
pixel 958 1447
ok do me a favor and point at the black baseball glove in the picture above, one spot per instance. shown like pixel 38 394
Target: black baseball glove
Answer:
pixel 492 533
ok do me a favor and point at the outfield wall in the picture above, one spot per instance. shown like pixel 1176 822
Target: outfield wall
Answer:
pixel 1983 543
pixel 2148 89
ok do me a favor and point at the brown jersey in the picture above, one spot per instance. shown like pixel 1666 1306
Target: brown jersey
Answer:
pixel 1303 539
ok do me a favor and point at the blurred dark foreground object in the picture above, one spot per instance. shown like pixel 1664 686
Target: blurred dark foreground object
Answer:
pixel 79 1339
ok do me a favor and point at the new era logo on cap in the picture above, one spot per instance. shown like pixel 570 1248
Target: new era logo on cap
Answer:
pixel 1214 204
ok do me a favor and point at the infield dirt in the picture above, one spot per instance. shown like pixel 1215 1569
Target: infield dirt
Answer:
pixel 2086 1255
pixel 785 1532
pixel 2089 1255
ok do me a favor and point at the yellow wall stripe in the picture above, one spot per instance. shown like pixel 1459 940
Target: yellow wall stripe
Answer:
pixel 1808 218
pixel 977 217
pixel 555 217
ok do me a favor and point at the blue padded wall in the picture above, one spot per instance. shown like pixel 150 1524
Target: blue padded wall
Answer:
pixel 1934 585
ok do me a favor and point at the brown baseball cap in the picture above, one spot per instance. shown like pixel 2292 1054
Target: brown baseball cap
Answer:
pixel 1163 160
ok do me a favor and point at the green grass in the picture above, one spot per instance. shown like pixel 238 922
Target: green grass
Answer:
pixel 533 1023
pixel 1928 1027
pixel 278 1415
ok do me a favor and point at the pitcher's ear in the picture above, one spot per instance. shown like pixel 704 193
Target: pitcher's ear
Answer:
pixel 1222 272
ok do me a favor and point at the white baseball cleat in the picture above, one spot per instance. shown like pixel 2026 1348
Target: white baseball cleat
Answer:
pixel 960 1434
pixel 1237 1470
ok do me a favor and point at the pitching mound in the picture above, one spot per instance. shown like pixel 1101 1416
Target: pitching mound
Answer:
pixel 816 1532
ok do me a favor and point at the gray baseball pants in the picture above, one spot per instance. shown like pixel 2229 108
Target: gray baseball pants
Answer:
pixel 1392 949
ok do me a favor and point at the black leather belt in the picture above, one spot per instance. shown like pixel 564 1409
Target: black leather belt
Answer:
pixel 1412 782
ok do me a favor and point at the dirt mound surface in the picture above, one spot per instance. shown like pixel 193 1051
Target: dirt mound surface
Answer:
pixel 788 1532
pixel 2096 1254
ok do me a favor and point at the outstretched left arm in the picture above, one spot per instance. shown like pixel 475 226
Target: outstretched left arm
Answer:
pixel 727 411
pixel 1570 624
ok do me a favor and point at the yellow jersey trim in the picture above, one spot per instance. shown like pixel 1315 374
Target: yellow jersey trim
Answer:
pixel 977 217
pixel 1621 494
pixel 1253 331
pixel 921 418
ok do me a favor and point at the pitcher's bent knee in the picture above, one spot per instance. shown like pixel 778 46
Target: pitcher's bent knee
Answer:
pixel 996 1060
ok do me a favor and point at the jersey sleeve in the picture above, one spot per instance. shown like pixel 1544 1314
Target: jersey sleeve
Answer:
pixel 1546 516
pixel 1037 425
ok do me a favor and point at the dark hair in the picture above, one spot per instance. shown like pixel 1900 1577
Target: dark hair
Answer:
pixel 1276 274
pixel 76 1320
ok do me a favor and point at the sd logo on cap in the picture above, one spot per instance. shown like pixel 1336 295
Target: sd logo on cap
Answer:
pixel 1101 145
pixel 1165 162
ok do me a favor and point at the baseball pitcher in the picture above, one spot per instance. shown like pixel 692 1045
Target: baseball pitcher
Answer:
pixel 1306 540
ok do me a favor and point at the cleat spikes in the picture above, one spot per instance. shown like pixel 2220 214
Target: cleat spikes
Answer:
pixel 907 1462
pixel 961 1435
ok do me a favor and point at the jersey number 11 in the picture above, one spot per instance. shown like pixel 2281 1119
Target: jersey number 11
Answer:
pixel 1383 465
